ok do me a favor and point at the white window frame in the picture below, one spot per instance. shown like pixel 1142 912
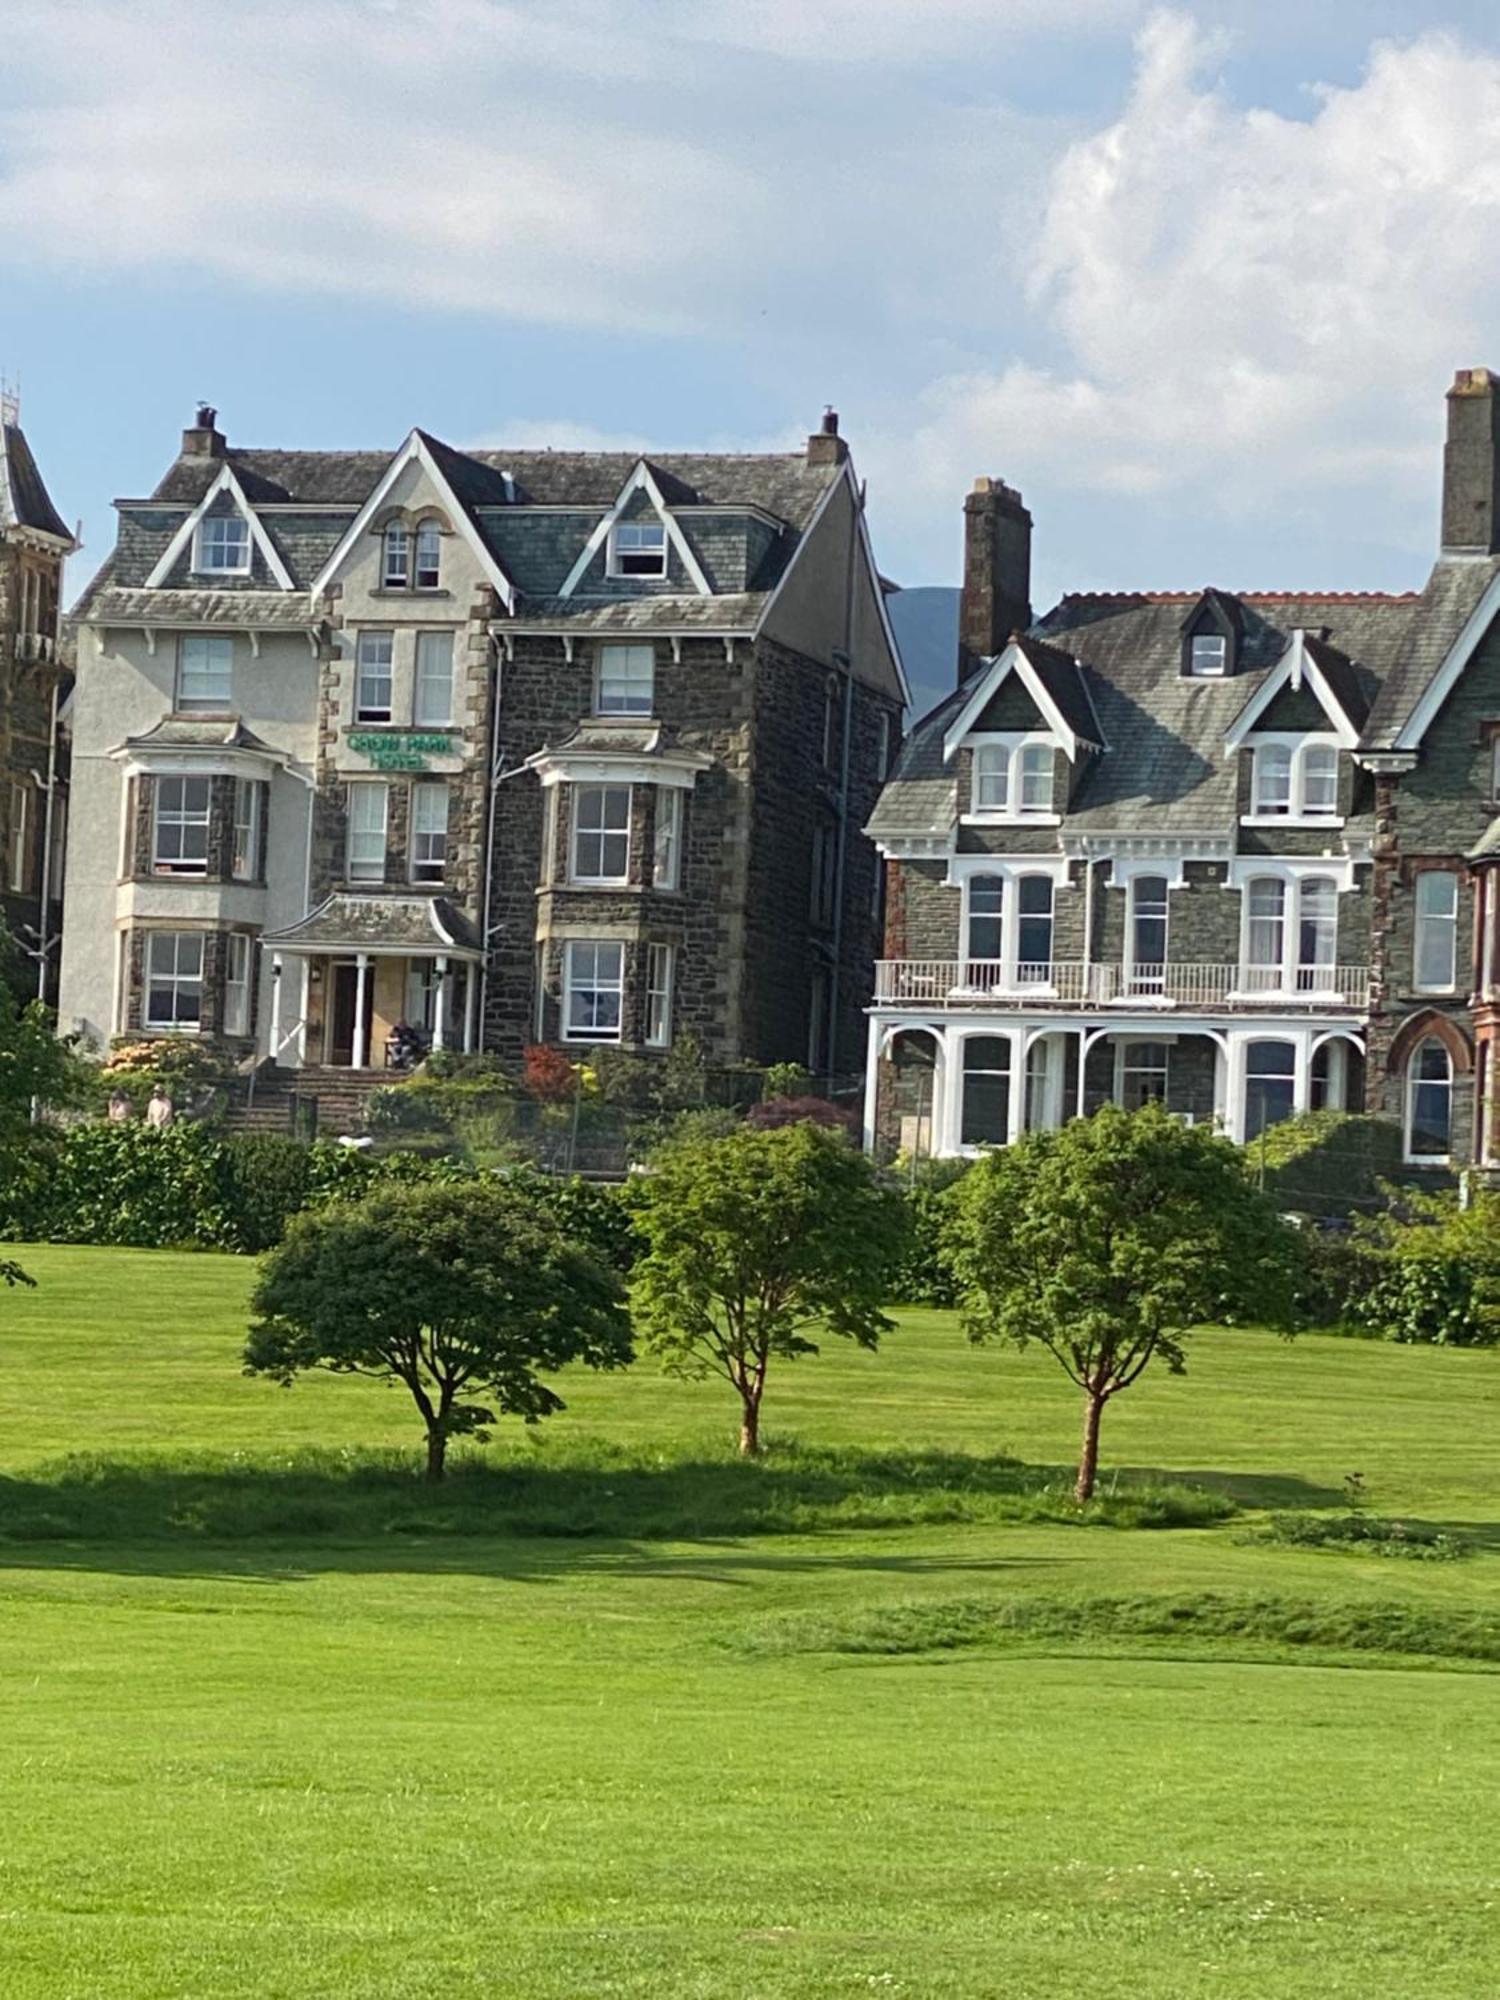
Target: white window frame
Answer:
pixel 576 983
pixel 1137 980
pixel 365 867
pixel 666 855
pixel 1268 1040
pixel 429 844
pixel 365 642
pixel 1244 872
pixel 1413 1083
pixel 1422 918
pixel 1221 657
pixel 206 530
pixel 624 546
pixel 20 835
pixel 173 980
pixel 602 833
pixel 1298 748
pixel 618 693
pixel 427 575
pixel 1012 871
pixel 660 976
pixel 1012 748
pixel 215 670
pixel 1128 1064
pixel 181 817
pixel 237 983
pixel 245 856
pixel 429 680
pixel 395 576
pixel 1013 1085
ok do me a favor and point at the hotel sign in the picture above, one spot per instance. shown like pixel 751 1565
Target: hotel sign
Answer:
pixel 399 750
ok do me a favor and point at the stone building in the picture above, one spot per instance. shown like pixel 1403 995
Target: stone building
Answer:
pixel 34 544
pixel 502 746
pixel 1207 847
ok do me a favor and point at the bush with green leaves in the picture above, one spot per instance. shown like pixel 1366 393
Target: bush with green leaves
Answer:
pixel 924 1275
pixel 1327 1163
pixel 1437 1267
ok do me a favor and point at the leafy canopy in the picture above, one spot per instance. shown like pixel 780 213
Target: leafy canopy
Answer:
pixel 453 1290
pixel 754 1240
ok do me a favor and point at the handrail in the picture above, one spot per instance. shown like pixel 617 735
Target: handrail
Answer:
pixel 966 983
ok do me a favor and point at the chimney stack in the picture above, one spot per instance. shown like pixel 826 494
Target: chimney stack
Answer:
pixel 204 440
pixel 1471 464
pixel 825 446
pixel 997 572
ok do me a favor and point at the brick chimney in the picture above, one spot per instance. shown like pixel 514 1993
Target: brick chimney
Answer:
pixel 997 572
pixel 825 446
pixel 203 439
pixel 1471 464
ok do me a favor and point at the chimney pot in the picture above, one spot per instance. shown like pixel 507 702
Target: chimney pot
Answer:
pixel 825 446
pixel 204 439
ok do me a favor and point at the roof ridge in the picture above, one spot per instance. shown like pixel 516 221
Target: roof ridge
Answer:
pixel 1251 596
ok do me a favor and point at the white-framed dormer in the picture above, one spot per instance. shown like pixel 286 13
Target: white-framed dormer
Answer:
pixel 1013 778
pixel 190 533
pixel 641 480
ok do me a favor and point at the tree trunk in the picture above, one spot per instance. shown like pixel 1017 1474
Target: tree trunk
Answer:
pixel 750 1427
pixel 1088 1457
pixel 437 1451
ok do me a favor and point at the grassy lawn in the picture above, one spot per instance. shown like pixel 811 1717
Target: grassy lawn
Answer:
pixel 408 1761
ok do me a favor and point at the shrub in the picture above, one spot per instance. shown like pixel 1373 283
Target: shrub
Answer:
pixel 775 1112
pixel 264 1180
pixel 126 1184
pixel 788 1079
pixel 548 1075
pixel 1328 1162
pixel 1438 1273
pixel 923 1277
pixel 1365 1534
pixel 1339 1270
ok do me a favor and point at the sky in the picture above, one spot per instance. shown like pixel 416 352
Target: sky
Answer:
pixel 1194 277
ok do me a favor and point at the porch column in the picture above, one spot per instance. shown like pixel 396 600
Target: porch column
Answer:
pixel 471 999
pixel 275 1044
pixel 1302 1074
pixel 1016 1123
pixel 361 1019
pixel 1083 1064
pixel 947 1104
pixel 1235 1089
pixel 440 1002
pixel 872 1061
pixel 306 1006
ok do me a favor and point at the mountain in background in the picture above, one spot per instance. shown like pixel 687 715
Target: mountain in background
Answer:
pixel 925 622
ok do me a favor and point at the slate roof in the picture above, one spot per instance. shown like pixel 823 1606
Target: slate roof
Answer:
pixel 1066 683
pixel 735 611
pixel 24 499
pixel 200 733
pixel 107 603
pixel 1166 769
pixel 393 923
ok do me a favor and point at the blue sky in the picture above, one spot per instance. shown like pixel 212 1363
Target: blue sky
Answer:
pixel 1193 277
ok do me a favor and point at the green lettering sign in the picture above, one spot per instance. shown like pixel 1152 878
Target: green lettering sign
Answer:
pixel 399 750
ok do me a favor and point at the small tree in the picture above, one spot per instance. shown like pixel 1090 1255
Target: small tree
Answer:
pixel 753 1240
pixel 447 1289
pixel 1107 1241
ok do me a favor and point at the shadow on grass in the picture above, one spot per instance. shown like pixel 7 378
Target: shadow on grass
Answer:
pixel 579 1493
pixel 1245 1489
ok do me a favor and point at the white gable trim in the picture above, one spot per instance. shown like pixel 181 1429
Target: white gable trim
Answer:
pixel 415 450
pixel 639 480
pixel 1295 666
pixel 1445 679
pixel 225 483
pixel 987 684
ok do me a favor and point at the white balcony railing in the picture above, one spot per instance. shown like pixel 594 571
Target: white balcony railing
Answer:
pixel 986 982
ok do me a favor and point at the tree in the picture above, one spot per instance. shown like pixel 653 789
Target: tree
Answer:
pixel 1107 1241
pixel 450 1290
pixel 752 1241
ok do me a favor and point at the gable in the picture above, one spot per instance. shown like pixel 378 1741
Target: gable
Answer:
pixel 1293 709
pixel 1012 707
pixel 413 480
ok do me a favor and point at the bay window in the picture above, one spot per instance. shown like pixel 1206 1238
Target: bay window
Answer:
pixel 180 846
pixel 601 833
pixel 174 980
pixel 666 858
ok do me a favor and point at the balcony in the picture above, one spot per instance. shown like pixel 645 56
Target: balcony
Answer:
pixel 957 983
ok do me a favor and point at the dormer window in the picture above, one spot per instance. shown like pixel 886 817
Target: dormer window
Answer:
pixel 1295 780
pixel 1013 778
pixel 223 546
pixel 429 556
pixel 395 557
pixel 638 548
pixel 1210 635
pixel 1208 656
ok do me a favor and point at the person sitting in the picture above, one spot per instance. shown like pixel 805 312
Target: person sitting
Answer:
pixel 405 1046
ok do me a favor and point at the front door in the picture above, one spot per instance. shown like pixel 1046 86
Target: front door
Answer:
pixel 341 1015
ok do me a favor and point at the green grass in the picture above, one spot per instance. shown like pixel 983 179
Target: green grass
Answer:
pixel 618 1716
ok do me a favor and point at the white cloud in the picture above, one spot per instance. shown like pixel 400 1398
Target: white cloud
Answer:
pixel 1248 308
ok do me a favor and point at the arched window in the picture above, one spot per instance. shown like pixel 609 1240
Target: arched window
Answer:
pixel 1295 780
pixel 1429 1102
pixel 1270 1071
pixel 986 939
pixel 986 1088
pixel 395 565
pixel 429 555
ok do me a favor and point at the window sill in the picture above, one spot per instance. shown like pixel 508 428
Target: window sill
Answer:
pixel 1301 822
pixel 424 593
pixel 1011 819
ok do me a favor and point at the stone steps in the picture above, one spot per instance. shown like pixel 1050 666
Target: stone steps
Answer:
pixel 278 1094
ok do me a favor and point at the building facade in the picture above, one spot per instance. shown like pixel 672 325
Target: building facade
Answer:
pixel 34 545
pixel 1224 850
pixel 502 747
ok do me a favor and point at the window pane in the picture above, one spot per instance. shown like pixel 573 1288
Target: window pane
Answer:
pixel 1210 651
pixel 991 777
pixel 224 544
pixel 204 671
pixel 1148 931
pixel 1273 778
pixel 1036 777
pixel 434 694
pixel 174 979
pixel 1320 779
pixel 639 548
pixel 1266 898
pixel 601 833
pixel 182 808
pixel 1143 1074
pixel 247 801
pixel 986 1091
pixel 667 859
pixel 594 981
pixel 372 677
pixel 1270 1068
pixel 627 676
pixel 659 995
pixel 1317 930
